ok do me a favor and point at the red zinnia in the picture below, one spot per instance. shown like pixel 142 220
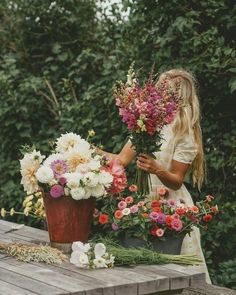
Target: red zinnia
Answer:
pixel 207 217
pixel 181 211
pixel 155 203
pixel 118 214
pixel 103 218
pixel 156 209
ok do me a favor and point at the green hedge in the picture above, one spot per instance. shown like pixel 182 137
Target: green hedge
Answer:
pixel 58 64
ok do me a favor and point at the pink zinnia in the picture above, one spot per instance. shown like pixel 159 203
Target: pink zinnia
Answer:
pixel 154 216
pixel 134 209
pixel 122 205
pixel 176 224
pixel 57 191
pixel 159 232
pixel 114 226
pixel 172 203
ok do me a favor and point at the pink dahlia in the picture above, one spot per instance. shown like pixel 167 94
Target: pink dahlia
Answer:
pixel 57 191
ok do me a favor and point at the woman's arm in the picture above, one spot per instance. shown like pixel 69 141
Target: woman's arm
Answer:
pixel 172 178
pixel 125 156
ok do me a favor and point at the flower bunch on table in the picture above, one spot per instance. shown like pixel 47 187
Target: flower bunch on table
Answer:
pixel 145 110
pixel 91 256
pixel 134 215
pixel 73 170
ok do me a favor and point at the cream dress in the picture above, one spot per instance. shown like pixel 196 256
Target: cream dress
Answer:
pixel 184 151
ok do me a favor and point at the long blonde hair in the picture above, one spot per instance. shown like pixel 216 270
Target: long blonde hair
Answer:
pixel 188 117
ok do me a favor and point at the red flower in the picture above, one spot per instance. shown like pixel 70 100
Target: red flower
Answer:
pixel 207 217
pixel 169 219
pixel 156 209
pixel 133 188
pixel 194 209
pixel 155 203
pixel 181 211
pixel 103 218
pixel 153 231
pixel 129 200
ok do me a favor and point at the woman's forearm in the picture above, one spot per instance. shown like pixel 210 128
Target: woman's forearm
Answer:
pixel 169 179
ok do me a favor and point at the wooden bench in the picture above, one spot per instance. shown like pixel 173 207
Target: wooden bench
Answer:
pixel 18 278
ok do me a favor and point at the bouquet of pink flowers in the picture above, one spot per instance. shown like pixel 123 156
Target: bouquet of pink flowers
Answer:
pixel 145 110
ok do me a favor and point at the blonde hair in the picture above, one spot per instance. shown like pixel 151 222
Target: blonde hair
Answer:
pixel 188 117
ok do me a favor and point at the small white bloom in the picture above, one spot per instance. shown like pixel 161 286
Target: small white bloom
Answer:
pixel 98 191
pixel 44 174
pixel 80 247
pixel 83 168
pixel 37 19
pixel 100 263
pixel 126 211
pixel 66 191
pixel 99 250
pixel 94 165
pixel 77 193
pixel 90 179
pixel 105 178
pixel 73 179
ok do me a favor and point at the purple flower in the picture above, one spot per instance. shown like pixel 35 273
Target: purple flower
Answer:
pixel 62 180
pixel 57 191
pixel 172 203
pixel 115 226
pixel 59 167
pixel 161 218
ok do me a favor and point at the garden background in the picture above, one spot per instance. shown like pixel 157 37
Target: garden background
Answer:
pixel 60 59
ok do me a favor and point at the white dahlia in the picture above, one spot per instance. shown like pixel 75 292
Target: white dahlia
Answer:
pixel 73 179
pixel 98 191
pixel 77 193
pixel 67 141
pixel 90 179
pixel 105 178
pixel 44 174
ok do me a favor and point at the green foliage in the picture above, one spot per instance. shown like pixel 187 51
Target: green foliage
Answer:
pixel 58 64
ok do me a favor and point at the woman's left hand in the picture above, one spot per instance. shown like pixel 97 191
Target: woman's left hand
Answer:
pixel 147 163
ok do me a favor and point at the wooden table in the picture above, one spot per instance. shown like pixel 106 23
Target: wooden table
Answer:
pixel 19 278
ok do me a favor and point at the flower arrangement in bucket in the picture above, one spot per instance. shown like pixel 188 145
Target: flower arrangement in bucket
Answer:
pixel 145 110
pixel 69 180
pixel 162 222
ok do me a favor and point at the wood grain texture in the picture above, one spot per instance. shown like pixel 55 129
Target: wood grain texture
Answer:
pixel 33 278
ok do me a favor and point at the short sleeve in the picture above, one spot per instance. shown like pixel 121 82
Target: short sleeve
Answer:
pixel 185 150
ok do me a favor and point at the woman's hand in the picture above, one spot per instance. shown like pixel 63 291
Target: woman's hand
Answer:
pixel 172 178
pixel 147 163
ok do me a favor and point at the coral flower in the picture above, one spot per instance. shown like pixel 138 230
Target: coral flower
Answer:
pixel 129 200
pixel 145 215
pixel 207 217
pixel 133 188
pixel 156 209
pixel 194 209
pixel 169 219
pixel 103 218
pixel 118 214
pixel 162 191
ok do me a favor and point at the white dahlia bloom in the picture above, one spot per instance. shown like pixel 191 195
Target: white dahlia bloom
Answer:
pixel 67 141
pixel 73 179
pixel 99 263
pixel 99 250
pixel 94 165
pixel 44 174
pixel 90 179
pixel 29 166
pixel 98 191
pixel 80 247
pixel 105 178
pixel 77 193
pixel 126 211
pixel 75 157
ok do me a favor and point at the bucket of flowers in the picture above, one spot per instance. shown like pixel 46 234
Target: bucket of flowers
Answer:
pixel 161 223
pixel 68 181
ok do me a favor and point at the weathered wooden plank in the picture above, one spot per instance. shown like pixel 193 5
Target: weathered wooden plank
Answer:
pixel 196 276
pixel 45 275
pixel 178 280
pixel 26 282
pixel 25 231
pixel 9 289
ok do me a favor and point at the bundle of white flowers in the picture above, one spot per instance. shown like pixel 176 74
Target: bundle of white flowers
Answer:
pixel 91 256
pixel 72 170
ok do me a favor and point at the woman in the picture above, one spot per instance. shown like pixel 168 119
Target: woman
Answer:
pixel 181 152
